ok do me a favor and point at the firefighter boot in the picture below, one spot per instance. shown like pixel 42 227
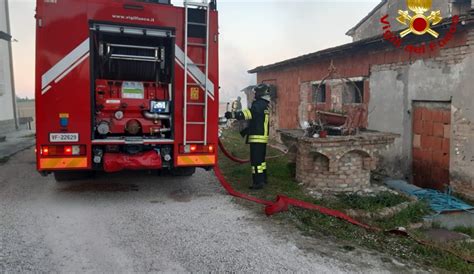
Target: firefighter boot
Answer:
pixel 258 177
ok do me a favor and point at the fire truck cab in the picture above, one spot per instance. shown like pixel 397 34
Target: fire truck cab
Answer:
pixel 126 85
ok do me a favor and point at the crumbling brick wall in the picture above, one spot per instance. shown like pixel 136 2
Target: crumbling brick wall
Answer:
pixel 339 164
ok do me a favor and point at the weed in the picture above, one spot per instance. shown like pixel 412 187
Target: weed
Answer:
pixel 372 203
pixel 412 214
pixel 310 223
pixel 32 135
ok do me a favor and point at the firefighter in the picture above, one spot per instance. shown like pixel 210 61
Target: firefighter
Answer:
pixel 257 133
pixel 237 105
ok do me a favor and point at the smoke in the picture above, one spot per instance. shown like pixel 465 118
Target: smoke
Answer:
pixel 257 33
pixel 234 64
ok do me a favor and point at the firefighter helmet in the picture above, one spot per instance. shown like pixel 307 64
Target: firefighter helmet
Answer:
pixel 262 90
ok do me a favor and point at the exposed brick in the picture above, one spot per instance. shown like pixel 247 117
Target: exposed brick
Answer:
pixel 333 165
pixel 436 143
pixel 427 128
pixel 427 171
pixel 417 155
pixel 418 127
pixel 425 142
pixel 437 116
pixel 426 114
pixel 417 164
pixel 446 160
pixel 447 117
pixel 447 131
pixel 417 141
pixel 444 178
pixel 427 157
pixel 417 112
pixel 438 158
pixel 436 174
pixel 446 146
pixel 438 128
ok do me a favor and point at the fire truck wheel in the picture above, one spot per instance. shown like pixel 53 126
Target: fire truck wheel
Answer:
pixel 183 171
pixel 66 176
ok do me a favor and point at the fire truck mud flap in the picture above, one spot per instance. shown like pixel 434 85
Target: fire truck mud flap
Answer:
pixel 114 162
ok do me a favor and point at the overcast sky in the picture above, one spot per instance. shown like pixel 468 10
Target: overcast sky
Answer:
pixel 253 33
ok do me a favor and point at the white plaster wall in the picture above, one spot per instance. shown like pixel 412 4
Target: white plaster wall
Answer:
pixel 6 100
pixel 387 110
pixel 392 94
pixel 462 142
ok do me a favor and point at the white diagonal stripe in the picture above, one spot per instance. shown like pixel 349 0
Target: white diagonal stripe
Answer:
pixel 71 68
pixel 194 78
pixel 45 90
pixel 194 70
pixel 65 63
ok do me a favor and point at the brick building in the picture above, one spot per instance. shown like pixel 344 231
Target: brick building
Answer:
pixel 424 96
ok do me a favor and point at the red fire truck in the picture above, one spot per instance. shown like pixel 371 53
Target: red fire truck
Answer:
pixel 126 85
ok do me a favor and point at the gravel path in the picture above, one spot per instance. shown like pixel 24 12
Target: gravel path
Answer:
pixel 136 222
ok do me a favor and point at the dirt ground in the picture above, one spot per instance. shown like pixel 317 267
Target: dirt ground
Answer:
pixel 138 222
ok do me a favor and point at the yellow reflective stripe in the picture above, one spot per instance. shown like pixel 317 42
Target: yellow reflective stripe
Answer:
pixel 61 163
pixel 258 139
pixel 265 126
pixel 247 114
pixel 259 169
pixel 197 160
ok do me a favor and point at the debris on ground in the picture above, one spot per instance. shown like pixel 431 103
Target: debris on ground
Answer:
pixel 438 201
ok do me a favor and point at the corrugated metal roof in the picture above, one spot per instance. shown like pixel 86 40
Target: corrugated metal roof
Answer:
pixel 318 54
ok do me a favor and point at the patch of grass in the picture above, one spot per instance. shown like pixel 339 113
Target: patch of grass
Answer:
pixel 466 230
pixel 412 214
pixel 29 135
pixel 311 223
pixel 372 203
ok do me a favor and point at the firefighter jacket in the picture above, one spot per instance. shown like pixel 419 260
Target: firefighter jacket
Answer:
pixel 259 121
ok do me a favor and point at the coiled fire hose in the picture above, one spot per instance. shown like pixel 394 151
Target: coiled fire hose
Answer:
pixel 282 204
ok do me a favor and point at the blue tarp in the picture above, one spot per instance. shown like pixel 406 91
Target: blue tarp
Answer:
pixel 438 201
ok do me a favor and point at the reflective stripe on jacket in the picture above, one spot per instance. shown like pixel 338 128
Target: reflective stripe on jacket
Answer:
pixel 259 125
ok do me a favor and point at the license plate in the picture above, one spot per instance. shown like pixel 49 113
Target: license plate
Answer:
pixel 64 137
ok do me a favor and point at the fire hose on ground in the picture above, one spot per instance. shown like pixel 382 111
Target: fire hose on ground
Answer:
pixel 282 203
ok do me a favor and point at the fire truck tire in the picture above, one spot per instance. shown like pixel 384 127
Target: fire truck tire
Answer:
pixel 66 176
pixel 183 171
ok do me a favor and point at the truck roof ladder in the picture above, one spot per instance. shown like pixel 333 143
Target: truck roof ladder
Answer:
pixel 204 4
